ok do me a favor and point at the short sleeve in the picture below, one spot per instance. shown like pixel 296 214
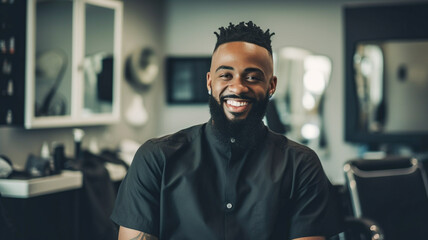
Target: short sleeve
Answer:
pixel 315 206
pixel 137 202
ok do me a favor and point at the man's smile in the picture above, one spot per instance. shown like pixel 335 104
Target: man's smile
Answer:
pixel 237 105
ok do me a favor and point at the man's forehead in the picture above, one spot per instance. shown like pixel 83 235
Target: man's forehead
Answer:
pixel 236 51
pixel 251 47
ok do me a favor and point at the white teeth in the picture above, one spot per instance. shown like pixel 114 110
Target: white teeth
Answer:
pixel 236 103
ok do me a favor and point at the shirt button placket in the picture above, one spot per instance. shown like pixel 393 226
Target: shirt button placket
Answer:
pixel 228 203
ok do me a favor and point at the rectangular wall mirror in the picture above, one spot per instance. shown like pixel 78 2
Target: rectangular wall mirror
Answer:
pixel 386 76
pixel 73 63
pixel 391 79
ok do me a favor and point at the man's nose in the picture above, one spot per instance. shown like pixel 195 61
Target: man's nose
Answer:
pixel 238 85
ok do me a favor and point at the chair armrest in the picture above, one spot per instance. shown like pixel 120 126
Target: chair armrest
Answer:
pixel 362 228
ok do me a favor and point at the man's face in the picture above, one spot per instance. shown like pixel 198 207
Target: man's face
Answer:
pixel 241 75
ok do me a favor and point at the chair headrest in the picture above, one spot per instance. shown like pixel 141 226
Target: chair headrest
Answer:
pixel 382 164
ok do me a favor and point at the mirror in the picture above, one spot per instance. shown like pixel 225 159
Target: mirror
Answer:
pixel 54 24
pixel 98 62
pixel 391 79
pixel 302 79
pixel 73 65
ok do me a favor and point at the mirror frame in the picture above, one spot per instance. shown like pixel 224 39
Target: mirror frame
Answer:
pixel 378 22
pixel 76 117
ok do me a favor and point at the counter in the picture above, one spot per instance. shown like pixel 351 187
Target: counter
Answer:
pixel 26 188
pixel 66 180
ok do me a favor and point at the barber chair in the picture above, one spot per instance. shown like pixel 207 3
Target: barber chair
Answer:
pixel 389 199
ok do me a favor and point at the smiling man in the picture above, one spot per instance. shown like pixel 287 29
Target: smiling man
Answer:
pixel 230 178
pixel 240 83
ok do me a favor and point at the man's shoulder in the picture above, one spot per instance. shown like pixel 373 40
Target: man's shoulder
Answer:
pixel 175 140
pixel 182 136
pixel 288 145
pixel 162 147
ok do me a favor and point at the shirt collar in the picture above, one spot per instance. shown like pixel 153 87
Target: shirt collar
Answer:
pixel 214 136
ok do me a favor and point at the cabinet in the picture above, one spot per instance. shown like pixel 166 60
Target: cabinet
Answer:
pixel 72 63
pixel 48 217
pixel 43 208
pixel 61 206
pixel 12 59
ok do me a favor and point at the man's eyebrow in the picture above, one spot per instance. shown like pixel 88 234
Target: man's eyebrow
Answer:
pixel 224 67
pixel 248 70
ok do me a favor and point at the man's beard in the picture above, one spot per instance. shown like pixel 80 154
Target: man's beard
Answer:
pixel 245 130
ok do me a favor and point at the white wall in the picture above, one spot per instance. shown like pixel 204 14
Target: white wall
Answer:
pixel 314 25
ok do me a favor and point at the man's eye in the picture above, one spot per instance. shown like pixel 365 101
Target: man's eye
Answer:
pixel 225 75
pixel 253 78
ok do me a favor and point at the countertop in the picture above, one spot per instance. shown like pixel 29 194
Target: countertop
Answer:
pixel 26 188
pixel 66 180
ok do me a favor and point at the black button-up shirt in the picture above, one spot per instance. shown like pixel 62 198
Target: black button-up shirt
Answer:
pixel 191 185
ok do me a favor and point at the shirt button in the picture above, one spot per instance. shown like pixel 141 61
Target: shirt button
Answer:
pixel 232 140
pixel 229 205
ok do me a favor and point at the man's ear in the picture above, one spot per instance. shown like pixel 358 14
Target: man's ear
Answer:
pixel 209 82
pixel 272 85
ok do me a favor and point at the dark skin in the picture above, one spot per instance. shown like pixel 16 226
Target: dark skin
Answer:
pixel 131 234
pixel 240 69
pixel 241 73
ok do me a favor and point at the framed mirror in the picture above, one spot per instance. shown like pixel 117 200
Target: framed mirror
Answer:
pixel 386 76
pixel 99 59
pixel 303 77
pixel 73 63
pixel 53 55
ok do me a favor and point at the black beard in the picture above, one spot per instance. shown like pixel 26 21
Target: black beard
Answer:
pixel 244 131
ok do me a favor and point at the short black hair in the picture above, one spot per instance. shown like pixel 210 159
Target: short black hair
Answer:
pixel 246 32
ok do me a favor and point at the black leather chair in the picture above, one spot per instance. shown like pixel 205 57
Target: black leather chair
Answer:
pixel 390 194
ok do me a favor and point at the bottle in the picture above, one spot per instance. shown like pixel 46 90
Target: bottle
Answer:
pixel 58 157
pixel 78 136
pixel 46 156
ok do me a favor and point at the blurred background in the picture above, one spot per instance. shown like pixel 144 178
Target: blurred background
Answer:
pixel 153 55
pixel 185 29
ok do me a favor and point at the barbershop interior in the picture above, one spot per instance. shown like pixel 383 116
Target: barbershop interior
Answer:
pixel 84 83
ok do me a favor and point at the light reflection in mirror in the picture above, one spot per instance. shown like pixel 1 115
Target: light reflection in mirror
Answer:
pixel 98 62
pixel 368 64
pixel 302 80
pixel 53 58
